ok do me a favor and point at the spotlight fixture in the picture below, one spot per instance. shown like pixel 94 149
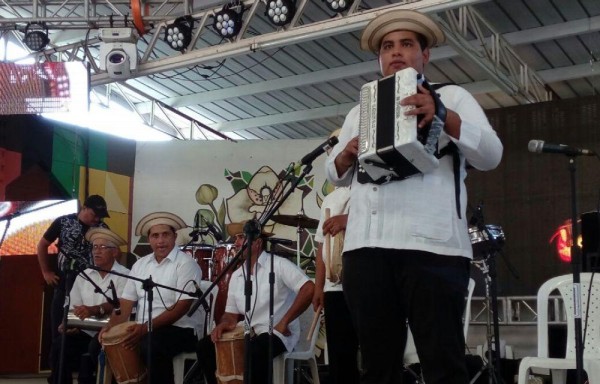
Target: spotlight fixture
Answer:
pixel 179 34
pixel 338 6
pixel 280 12
pixel 228 22
pixel 36 36
pixel 118 52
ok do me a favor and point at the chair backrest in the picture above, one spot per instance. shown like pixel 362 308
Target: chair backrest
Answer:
pixel 306 320
pixel 410 351
pixel 210 299
pixel 590 330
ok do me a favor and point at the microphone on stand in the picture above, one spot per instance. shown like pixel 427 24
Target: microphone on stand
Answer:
pixel 539 146
pixel 195 305
pixel 116 302
pixel 321 149
pixel 195 230
pixel 213 230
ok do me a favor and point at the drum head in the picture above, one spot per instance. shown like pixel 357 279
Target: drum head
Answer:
pixel 486 241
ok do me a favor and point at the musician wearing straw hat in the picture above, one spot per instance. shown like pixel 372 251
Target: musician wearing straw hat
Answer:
pixel 342 342
pixel 407 248
pixel 82 347
pixel 172 331
pixel 292 295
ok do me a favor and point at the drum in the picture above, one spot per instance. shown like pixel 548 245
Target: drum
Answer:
pixel 230 357
pixel 480 241
pixel 222 255
pixel 126 364
pixel 202 253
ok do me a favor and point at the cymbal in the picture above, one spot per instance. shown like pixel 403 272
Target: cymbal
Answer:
pixel 296 221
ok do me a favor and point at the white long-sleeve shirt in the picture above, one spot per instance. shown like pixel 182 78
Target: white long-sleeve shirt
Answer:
pixel 419 213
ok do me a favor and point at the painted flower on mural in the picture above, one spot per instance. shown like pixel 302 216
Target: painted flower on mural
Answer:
pixel 262 189
pixel 211 220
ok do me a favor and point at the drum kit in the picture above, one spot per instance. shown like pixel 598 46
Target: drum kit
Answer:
pixel 299 221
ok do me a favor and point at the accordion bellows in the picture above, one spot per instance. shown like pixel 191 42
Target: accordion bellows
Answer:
pixel 390 144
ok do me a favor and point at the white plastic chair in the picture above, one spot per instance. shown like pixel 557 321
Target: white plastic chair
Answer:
pixel 591 355
pixel 283 365
pixel 410 351
pixel 179 360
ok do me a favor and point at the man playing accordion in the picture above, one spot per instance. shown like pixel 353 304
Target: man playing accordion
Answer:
pixel 407 249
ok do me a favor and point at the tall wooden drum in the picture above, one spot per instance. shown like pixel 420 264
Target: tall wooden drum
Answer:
pixel 230 357
pixel 126 364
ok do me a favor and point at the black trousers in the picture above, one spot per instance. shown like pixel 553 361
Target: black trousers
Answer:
pixel 342 342
pixel 384 288
pixel 167 342
pixel 207 358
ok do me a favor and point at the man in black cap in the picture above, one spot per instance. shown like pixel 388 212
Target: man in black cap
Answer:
pixel 70 232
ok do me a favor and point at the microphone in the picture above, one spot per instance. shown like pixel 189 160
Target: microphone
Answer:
pixel 116 302
pixel 275 240
pixel 199 293
pixel 213 230
pixel 539 146
pixel 321 149
pixel 195 229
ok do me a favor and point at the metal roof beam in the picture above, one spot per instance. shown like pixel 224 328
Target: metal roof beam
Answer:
pixel 480 87
pixel 536 35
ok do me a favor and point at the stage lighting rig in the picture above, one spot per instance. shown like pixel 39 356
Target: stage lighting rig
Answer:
pixel 36 36
pixel 228 21
pixel 179 33
pixel 280 12
pixel 338 6
pixel 118 52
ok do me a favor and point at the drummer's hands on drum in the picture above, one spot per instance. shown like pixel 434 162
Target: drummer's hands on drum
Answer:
pixel 134 335
pixel 51 278
pixel 423 105
pixel 224 326
pixel 335 224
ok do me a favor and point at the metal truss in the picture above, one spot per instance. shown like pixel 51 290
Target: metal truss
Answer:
pixel 491 52
pixel 467 32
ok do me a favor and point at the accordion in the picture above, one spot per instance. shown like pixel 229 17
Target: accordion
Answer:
pixel 391 147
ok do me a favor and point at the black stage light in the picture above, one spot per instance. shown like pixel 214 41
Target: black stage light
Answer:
pixel 280 12
pixel 228 22
pixel 179 34
pixel 338 6
pixel 36 36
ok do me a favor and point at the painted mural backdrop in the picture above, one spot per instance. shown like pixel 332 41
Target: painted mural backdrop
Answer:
pixel 234 182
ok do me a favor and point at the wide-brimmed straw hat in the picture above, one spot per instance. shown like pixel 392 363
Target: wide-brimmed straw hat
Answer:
pixel 104 233
pixel 234 229
pixel 157 218
pixel 400 20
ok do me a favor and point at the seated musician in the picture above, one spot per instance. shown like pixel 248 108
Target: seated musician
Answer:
pixel 292 295
pixel 82 347
pixel 172 331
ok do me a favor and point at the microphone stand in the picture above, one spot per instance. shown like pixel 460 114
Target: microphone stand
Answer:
pixel 70 262
pixel 264 219
pixel 271 297
pixel 148 286
pixel 576 266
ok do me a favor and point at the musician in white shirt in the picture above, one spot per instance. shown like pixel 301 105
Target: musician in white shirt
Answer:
pixel 82 347
pixel 407 249
pixel 172 331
